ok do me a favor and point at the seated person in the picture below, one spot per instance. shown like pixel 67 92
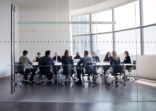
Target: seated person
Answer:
pixel 127 60
pixel 87 63
pixel 56 58
pixel 37 57
pixel 95 57
pixel 24 60
pixel 115 62
pixel 77 56
pixel 47 60
pixel 107 59
pixel 67 63
pixel 114 59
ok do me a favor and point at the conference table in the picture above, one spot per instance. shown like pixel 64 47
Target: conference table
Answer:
pixel 98 64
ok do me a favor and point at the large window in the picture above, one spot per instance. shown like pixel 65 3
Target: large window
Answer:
pixel 127 16
pixel 128 41
pixel 81 43
pixel 150 40
pixel 130 33
pixel 149 7
pixel 79 29
pixel 103 43
pixel 100 17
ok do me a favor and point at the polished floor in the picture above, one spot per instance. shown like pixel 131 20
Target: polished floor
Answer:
pixel 132 97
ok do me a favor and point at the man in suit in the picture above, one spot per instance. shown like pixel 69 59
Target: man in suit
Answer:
pixel 87 63
pixel 95 57
pixel 44 61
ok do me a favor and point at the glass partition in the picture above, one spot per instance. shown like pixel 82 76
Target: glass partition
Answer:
pixel 56 29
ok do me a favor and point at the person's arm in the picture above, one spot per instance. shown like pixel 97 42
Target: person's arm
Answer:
pixel 98 60
pixel 60 59
pixel 111 61
pixel 52 62
pixel 119 59
pixel 29 61
pixel 72 62
pixel 80 62
pixel 129 59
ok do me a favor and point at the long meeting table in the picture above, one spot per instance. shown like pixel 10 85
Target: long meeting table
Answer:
pixel 98 64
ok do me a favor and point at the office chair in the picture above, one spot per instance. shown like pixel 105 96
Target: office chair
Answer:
pixel 45 74
pixel 119 74
pixel 89 70
pixel 129 70
pixel 21 71
pixel 68 70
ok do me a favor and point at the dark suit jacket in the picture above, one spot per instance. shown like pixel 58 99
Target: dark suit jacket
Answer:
pixel 77 57
pixel 46 61
pixel 58 58
pixel 127 59
pixel 87 63
pixel 96 59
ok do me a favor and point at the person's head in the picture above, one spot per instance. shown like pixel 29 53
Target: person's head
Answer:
pixel 114 55
pixel 56 54
pixel 47 53
pixel 86 53
pixel 66 53
pixel 93 53
pixel 77 54
pixel 38 54
pixel 108 54
pixel 25 52
pixel 126 53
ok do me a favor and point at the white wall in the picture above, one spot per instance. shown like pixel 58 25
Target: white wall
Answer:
pixel 146 66
pixel 41 37
pixel 5 37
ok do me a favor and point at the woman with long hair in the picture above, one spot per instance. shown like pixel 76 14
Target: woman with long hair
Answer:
pixel 67 63
pixel 127 57
pixel 114 59
pixel 107 57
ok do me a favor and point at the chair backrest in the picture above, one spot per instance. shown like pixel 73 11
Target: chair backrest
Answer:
pixel 118 68
pixel 68 68
pixel 44 69
pixel 19 68
pixel 89 68
pixel 88 65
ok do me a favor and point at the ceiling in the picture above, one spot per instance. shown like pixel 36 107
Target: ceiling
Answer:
pixel 73 4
